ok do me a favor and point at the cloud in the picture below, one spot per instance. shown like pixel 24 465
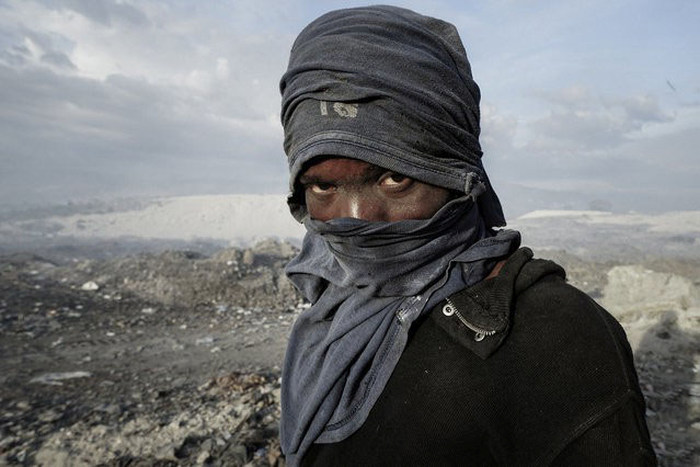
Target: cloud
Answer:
pixel 582 121
pixel 131 137
pixel 58 59
pixel 84 115
pixel 104 12
pixel 27 47
pixel 119 97
pixel 630 151
pixel 498 129
pixel 643 109
pixel 162 110
pixel 15 56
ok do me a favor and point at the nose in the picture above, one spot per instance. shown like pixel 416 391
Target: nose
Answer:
pixel 360 207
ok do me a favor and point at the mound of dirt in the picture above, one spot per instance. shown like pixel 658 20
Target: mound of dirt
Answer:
pixel 248 278
pixel 633 292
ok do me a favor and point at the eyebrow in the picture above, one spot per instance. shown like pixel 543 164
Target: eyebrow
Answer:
pixel 311 180
pixel 370 174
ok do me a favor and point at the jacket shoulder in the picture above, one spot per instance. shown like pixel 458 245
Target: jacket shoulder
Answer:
pixel 569 318
pixel 578 356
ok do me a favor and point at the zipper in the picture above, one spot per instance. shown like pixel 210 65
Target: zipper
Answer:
pixel 404 310
pixel 479 334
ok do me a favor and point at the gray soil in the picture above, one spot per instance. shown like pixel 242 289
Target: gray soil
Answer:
pixel 172 358
pixel 163 340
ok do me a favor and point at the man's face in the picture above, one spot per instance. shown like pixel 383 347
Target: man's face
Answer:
pixel 339 187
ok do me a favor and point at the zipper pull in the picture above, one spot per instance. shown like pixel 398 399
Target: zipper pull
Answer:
pixel 479 334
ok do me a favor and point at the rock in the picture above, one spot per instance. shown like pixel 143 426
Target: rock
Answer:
pixel 248 257
pixel 694 389
pixel 235 455
pixel 203 457
pixel 21 456
pixel 90 286
pixel 205 452
pixel 23 405
pixel 50 416
pixel 207 445
pixel 167 453
pixel 634 291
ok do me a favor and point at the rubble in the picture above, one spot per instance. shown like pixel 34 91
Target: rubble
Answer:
pixel 174 358
pixel 230 420
pixel 633 291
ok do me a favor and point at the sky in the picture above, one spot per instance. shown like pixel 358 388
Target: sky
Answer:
pixel 585 104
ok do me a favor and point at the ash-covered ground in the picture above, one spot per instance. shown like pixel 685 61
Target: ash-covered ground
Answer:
pixel 172 357
pixel 155 359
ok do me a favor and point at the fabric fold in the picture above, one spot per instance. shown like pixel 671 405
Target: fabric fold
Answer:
pixel 368 282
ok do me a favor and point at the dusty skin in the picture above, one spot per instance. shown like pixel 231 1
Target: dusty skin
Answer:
pixel 172 358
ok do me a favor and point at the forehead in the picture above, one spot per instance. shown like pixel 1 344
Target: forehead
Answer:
pixel 337 168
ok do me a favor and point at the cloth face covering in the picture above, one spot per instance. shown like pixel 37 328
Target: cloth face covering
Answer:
pixel 368 282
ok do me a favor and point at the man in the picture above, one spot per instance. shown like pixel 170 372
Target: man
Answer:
pixel 431 339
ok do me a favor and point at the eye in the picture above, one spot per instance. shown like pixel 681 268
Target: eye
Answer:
pixel 320 188
pixel 394 181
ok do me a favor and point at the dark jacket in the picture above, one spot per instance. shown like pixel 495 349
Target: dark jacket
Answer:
pixel 520 369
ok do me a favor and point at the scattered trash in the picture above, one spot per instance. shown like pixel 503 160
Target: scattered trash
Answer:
pixel 207 340
pixel 56 378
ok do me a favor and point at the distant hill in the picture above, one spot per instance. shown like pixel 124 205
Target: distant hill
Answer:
pixel 235 220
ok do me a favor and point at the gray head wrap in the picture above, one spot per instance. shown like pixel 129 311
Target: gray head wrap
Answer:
pixel 390 87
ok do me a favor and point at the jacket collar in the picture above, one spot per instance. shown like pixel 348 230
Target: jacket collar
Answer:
pixel 479 316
